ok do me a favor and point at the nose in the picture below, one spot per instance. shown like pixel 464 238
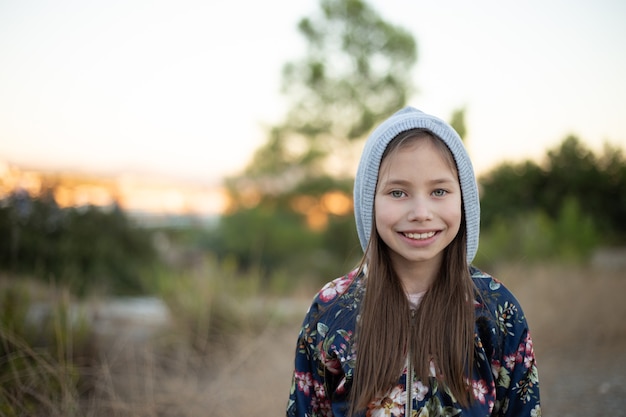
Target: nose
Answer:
pixel 420 210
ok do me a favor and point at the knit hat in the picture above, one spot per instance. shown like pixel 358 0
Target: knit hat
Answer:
pixel 367 173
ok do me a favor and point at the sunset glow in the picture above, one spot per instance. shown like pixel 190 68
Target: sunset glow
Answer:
pixel 132 194
pixel 317 211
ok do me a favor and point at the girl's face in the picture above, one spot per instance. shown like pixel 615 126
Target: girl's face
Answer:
pixel 417 204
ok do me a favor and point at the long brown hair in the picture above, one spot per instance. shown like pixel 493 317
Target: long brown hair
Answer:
pixel 441 330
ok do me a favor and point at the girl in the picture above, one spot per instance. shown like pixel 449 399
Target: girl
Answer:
pixel 415 330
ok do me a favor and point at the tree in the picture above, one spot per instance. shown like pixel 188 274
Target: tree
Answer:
pixel 356 71
pixel 85 248
pixel 510 189
pixel 570 172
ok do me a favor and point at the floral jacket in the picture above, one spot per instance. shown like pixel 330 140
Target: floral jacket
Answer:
pixel 504 379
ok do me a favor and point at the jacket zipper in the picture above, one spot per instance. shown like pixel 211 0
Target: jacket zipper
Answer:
pixel 409 385
pixel 409 377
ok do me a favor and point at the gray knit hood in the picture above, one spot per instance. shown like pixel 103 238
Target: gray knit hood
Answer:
pixel 367 173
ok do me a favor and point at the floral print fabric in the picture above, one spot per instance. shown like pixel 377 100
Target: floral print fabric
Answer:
pixel 504 379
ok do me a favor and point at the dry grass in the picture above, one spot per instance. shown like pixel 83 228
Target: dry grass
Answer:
pixel 244 374
pixel 571 306
pixel 576 316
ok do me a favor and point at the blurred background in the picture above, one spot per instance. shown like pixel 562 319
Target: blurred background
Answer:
pixel 176 184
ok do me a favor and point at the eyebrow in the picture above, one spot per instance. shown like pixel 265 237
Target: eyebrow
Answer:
pixel 402 182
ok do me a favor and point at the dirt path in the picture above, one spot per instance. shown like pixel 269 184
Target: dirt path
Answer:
pixel 583 382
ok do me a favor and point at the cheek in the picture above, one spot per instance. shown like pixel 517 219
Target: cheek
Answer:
pixel 378 210
pixel 453 214
pixel 383 213
pixel 457 215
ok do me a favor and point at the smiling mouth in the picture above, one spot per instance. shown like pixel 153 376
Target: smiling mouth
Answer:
pixel 419 236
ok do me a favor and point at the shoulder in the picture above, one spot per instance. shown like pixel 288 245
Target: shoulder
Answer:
pixel 339 288
pixel 338 295
pixel 491 291
pixel 496 306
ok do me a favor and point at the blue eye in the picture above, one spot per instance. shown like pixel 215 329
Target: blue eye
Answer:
pixel 396 193
pixel 439 192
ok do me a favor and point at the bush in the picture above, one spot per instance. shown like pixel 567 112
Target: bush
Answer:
pixel 83 248
pixel 211 302
pixel 534 237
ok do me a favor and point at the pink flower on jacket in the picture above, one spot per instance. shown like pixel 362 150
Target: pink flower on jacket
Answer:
pixel 335 287
pixel 480 389
pixel 511 360
pixel 319 389
pixel 305 382
pixel 390 405
pixel 419 390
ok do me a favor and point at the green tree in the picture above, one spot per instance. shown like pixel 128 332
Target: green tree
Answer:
pixel 571 182
pixel 83 248
pixel 510 189
pixel 355 72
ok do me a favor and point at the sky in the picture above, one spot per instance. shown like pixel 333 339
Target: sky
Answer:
pixel 185 89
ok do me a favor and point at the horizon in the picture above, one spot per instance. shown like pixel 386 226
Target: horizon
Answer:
pixel 148 197
pixel 145 196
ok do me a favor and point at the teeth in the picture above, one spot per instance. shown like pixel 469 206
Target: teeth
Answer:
pixel 418 236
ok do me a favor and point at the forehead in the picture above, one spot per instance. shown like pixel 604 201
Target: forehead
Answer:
pixel 422 144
